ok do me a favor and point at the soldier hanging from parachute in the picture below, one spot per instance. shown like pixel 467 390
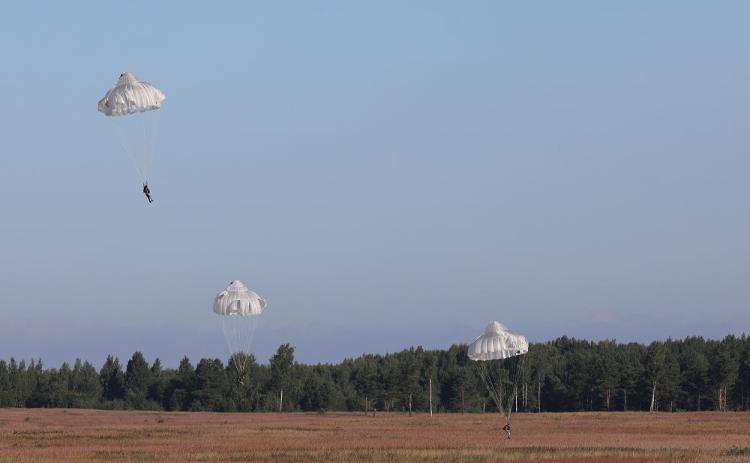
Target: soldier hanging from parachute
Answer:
pixel 134 103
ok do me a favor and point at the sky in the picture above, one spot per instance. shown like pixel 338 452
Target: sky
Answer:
pixel 386 174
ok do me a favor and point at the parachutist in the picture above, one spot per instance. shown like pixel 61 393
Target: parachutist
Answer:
pixel 498 355
pixel 239 310
pixel 129 99
pixel 506 428
pixel 147 192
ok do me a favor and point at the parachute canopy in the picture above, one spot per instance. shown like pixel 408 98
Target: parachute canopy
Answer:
pixel 497 343
pixel 130 95
pixel 236 299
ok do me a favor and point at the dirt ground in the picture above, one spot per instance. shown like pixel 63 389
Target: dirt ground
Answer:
pixel 62 435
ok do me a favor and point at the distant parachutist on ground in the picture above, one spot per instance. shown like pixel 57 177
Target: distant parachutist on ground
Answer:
pixel 506 428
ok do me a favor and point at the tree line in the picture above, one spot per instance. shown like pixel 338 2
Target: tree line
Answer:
pixel 566 374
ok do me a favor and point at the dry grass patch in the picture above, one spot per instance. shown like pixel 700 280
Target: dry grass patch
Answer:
pixel 94 435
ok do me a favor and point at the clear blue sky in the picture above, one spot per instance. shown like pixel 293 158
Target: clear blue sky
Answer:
pixel 385 173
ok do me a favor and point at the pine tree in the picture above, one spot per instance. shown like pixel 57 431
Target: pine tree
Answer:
pixel 178 393
pixel 6 392
pixel 211 386
pixel 695 370
pixel 137 381
pixel 85 387
pixel 112 380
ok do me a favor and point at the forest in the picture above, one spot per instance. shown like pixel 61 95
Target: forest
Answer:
pixel 566 374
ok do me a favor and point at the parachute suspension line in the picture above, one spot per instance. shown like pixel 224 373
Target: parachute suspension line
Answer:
pixel 150 132
pixel 233 334
pixel 230 335
pixel 502 391
pixel 239 332
pixel 146 153
pixel 130 152
pixel 147 150
pixel 495 395
pixel 138 135
pixel 515 376
pixel 226 329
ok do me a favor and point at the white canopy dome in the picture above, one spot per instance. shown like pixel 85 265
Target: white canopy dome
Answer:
pixel 130 95
pixel 497 342
pixel 236 299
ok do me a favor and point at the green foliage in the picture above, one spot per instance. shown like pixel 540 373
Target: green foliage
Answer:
pixel 281 378
pixel 211 386
pixel 112 380
pixel 561 375
pixel 6 395
pixel 180 384
pixel 85 389
pixel 137 382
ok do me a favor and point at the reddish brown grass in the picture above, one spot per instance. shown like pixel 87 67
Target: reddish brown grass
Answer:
pixel 95 435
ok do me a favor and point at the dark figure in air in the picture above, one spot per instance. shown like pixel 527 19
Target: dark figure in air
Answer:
pixel 147 192
pixel 506 428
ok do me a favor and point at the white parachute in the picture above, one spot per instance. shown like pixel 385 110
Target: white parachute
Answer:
pixel 133 103
pixel 498 355
pixel 239 310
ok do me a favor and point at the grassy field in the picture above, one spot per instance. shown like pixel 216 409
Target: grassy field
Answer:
pixel 93 435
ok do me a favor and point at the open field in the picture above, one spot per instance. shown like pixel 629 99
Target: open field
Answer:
pixel 92 435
